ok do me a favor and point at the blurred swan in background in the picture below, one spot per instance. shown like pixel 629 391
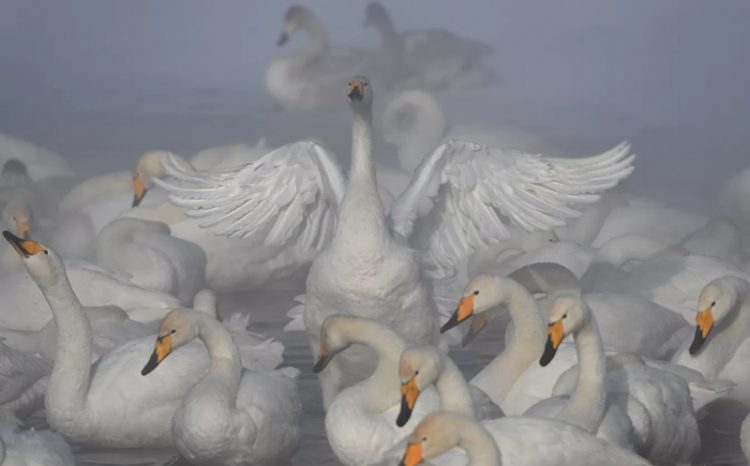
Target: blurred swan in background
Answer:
pixel 231 416
pixel 430 58
pixel 34 161
pixel 33 447
pixel 450 209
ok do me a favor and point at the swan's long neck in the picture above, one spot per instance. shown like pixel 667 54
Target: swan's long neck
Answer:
pixel 317 37
pixel 726 338
pixel 225 371
pixel 586 405
pixel 69 381
pixel 381 390
pixel 524 347
pixel 388 33
pixel 362 217
pixel 479 445
pixel 414 121
pixel 455 395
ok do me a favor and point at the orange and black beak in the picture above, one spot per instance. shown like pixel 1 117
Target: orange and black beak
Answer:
pixel 357 90
pixel 409 394
pixel 464 311
pixel 555 336
pixel 324 358
pixel 478 323
pixel 413 455
pixel 704 323
pixel 24 247
pixel 162 348
pixel 139 190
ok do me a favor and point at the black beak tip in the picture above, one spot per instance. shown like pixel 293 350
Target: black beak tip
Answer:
pixel 320 365
pixel 404 414
pixel 150 365
pixel 452 322
pixel 10 237
pixel 355 94
pixel 548 355
pixel 697 343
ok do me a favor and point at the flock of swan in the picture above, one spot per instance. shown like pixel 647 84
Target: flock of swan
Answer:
pixel 626 319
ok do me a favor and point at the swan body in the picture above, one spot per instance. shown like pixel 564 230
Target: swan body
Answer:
pixel 655 221
pixel 745 437
pixel 377 265
pixel 361 420
pixel 40 162
pixel 145 252
pixel 230 416
pixel 510 441
pixel 720 348
pixel 228 156
pixel 33 448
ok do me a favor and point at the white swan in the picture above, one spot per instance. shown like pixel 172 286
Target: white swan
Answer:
pixel 311 77
pixel 231 416
pixel 430 58
pixel 661 223
pixel 20 375
pixel 509 441
pixel 415 123
pixel 721 346
pixel 229 156
pixel 150 257
pixel 40 162
pixel 449 210
pixel 33 448
pixel 361 419
pixel 421 366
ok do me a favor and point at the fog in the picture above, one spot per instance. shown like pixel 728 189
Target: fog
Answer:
pixel 99 81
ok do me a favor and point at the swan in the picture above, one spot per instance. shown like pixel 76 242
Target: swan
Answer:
pixel 375 265
pixel 361 420
pixel 40 163
pixel 229 156
pixel 720 348
pixel 719 238
pixel 230 416
pixel 150 257
pixel 20 374
pixel 434 58
pixel 33 448
pixel 745 437
pixel 414 121
pixel 311 77
pixel 658 222
pixel 663 424
pixel 733 198
pixel 421 366
pixel 516 441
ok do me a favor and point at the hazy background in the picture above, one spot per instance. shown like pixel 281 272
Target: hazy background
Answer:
pixel 101 80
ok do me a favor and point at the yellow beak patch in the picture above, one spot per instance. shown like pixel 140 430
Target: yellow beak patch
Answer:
pixel 413 455
pixel 556 333
pixel 410 392
pixel 705 321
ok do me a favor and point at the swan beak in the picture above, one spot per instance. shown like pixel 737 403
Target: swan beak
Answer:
pixel 24 247
pixel 161 350
pixel 555 335
pixel 356 90
pixel 22 229
pixel 139 190
pixel 478 323
pixel 704 321
pixel 323 359
pixel 409 395
pixel 464 311
pixel 283 38
pixel 413 455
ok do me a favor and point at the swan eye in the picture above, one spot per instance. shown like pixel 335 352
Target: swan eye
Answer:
pixel 713 303
pixel 424 439
pixel 476 292
pixel 173 331
pixel 565 315
pixel 350 83
pixel 365 84
pixel 416 372
pixel 46 252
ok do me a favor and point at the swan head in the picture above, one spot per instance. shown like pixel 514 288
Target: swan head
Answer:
pixel 43 264
pixel 715 303
pixel 360 93
pixel 14 172
pixel 375 14
pixel 148 166
pixel 17 215
pixel 434 435
pixel 419 367
pixel 177 329
pixel 333 339
pixel 481 294
pixel 295 19
pixel 567 313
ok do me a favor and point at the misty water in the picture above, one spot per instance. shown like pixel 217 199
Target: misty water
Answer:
pixel 102 81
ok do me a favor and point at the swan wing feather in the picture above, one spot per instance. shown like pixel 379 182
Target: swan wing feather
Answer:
pixel 463 196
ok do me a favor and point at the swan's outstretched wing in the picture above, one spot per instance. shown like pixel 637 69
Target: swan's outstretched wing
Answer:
pixel 463 196
pixel 291 192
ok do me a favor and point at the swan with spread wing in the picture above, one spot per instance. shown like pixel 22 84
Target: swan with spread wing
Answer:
pixel 462 198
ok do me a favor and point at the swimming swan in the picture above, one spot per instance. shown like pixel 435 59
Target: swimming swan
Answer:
pixel 369 263
pixel 232 416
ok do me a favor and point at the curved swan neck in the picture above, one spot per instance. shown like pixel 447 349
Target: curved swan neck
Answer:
pixel 586 405
pixel 479 445
pixel 225 368
pixel 524 347
pixel 69 381
pixel 387 31
pixel 381 388
pixel 455 395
